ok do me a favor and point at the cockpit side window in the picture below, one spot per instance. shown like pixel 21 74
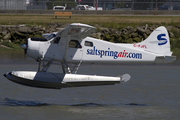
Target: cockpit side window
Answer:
pixel 74 44
pixel 89 44
pixel 56 40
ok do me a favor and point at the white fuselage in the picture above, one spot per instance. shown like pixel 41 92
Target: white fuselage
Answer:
pixel 92 51
pixel 72 44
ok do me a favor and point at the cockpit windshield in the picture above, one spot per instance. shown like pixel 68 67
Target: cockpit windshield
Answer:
pixel 49 37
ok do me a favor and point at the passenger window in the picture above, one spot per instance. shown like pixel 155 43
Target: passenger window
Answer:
pixel 56 40
pixel 89 44
pixel 74 44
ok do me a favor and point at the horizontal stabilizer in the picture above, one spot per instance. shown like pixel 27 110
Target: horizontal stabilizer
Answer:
pixel 165 59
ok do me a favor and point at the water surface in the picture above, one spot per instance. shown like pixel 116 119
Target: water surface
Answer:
pixel 152 93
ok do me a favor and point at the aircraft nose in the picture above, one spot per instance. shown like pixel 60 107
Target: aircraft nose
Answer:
pixel 23 46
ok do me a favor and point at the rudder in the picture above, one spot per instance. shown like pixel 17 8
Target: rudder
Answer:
pixel 158 42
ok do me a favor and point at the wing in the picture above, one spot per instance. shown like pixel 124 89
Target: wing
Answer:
pixel 77 30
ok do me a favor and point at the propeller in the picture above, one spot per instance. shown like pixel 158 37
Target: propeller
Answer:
pixel 25 46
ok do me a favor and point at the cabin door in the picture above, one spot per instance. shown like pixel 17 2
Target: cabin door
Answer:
pixel 75 51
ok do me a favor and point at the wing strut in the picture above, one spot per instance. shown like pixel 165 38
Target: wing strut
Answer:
pixel 66 48
pixel 45 67
pixel 64 64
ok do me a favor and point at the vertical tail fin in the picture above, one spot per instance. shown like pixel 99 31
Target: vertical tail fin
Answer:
pixel 158 42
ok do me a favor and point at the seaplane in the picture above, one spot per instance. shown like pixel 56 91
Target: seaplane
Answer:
pixel 71 47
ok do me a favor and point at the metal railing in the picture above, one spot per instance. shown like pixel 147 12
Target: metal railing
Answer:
pixel 104 4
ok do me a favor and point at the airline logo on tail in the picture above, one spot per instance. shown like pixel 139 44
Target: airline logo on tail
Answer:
pixel 162 40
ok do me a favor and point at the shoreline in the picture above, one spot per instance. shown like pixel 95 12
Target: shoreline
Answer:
pixel 116 29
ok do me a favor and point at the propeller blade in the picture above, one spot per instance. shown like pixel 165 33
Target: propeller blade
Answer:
pixel 26 42
pixel 23 46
